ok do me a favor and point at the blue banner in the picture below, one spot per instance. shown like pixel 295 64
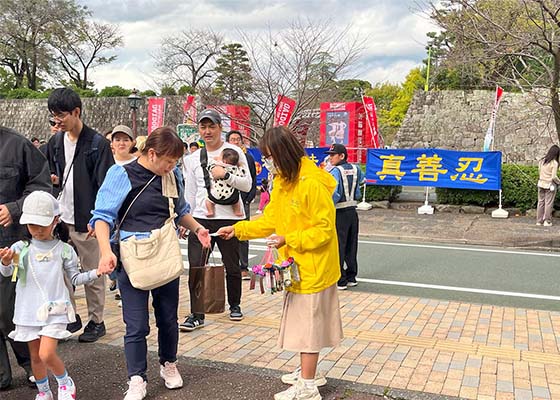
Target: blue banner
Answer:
pixel 435 167
pixel 317 154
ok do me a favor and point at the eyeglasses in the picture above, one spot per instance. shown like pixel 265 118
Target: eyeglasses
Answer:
pixel 52 122
pixel 58 118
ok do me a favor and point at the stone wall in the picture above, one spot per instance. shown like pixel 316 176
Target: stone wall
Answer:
pixel 30 116
pixel 458 120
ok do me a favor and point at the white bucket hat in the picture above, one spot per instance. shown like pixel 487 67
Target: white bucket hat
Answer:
pixel 39 208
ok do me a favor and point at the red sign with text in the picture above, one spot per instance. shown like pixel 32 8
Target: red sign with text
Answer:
pixel 235 118
pixel 345 123
pixel 156 113
pixel 189 111
pixel 284 110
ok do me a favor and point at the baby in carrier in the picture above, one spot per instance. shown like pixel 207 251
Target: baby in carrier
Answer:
pixel 221 192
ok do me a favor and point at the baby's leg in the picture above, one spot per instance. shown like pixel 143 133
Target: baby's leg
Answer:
pixel 237 209
pixel 210 208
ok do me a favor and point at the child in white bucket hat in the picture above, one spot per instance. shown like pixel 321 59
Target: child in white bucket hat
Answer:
pixel 43 307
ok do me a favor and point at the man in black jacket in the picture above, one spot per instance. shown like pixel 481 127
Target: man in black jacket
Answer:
pixel 79 158
pixel 235 138
pixel 23 169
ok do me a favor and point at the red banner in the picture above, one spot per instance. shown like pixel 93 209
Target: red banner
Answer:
pixel 371 115
pixel 156 113
pixel 284 109
pixel 189 111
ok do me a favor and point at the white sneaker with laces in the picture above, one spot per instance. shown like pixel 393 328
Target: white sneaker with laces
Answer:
pixel 292 378
pixel 170 375
pixel 137 388
pixel 547 223
pixel 299 392
pixel 44 396
pixel 67 392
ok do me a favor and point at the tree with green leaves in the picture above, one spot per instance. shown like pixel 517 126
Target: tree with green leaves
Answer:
pixel 233 73
pixel 514 44
pixel 84 48
pixel 384 94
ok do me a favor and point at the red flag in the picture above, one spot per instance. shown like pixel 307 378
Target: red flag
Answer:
pixel 489 137
pixel 156 113
pixel 189 111
pixel 284 109
pixel 371 115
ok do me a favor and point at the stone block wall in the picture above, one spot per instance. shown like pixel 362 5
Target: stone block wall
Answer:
pixel 30 116
pixel 458 120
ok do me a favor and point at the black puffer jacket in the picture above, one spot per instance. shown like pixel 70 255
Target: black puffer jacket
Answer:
pixel 23 169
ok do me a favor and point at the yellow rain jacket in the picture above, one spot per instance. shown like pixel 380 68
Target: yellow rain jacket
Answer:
pixel 303 212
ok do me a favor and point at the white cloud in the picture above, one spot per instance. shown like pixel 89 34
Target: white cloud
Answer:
pixel 395 36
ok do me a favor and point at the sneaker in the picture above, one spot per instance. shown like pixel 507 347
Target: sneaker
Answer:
pixel 74 327
pixel 299 392
pixel 235 313
pixel 539 223
pixel 245 275
pixel 136 388
pixel 67 392
pixel 92 332
pixel 44 396
pixel 170 375
pixel 191 323
pixel 342 287
pixel 352 284
pixel 29 378
pixel 292 378
pixel 546 223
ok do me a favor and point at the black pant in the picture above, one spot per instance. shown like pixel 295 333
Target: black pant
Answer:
pixel 230 258
pixel 21 351
pixel 347 232
pixel 136 316
pixel 244 245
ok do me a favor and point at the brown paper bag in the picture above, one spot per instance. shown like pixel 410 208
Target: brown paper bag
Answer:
pixel 208 291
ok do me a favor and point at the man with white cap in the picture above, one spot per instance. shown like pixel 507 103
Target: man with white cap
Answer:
pixel 197 184
pixel 23 169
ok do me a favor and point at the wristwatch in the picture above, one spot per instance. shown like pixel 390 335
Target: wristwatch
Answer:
pixel 226 176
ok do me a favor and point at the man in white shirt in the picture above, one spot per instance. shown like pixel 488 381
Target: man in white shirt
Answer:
pixel 210 130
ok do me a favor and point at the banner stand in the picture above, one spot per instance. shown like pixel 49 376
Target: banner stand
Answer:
pixel 500 212
pixel 363 205
pixel 426 208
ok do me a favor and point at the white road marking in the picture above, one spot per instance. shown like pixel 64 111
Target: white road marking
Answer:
pixel 461 289
pixel 474 249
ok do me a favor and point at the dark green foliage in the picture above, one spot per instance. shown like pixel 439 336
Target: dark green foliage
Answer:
pixel 519 190
pixel 23 93
pixel 378 193
pixel 186 89
pixel 168 91
pixel 148 93
pixel 114 91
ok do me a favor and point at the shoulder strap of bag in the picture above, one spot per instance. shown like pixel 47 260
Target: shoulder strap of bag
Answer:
pixel 130 205
pixel 204 165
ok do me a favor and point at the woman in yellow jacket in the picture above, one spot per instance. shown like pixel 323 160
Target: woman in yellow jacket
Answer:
pixel 300 222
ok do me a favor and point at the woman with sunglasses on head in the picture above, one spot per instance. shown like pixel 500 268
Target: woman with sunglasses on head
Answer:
pixel 300 222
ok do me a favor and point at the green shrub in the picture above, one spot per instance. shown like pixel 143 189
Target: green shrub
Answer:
pixel 186 89
pixel 519 190
pixel 379 193
pixel 114 91
pixel 148 93
pixel 86 92
pixel 168 91
pixel 23 93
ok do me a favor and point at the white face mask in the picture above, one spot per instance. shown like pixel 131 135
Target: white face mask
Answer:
pixel 270 166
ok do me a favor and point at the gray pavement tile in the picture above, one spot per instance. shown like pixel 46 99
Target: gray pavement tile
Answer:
pixel 245 340
pixel 355 370
pixel 440 367
pixel 474 362
pixel 397 356
pixel 286 355
pixel 504 386
pixel 471 381
pixel 457 364
pixel 325 365
pixel 413 333
pixel 368 353
pixel 542 392
pixel 241 353
pixel 523 394
pixel 348 342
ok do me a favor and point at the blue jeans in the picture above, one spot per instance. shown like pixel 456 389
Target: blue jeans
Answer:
pixel 136 318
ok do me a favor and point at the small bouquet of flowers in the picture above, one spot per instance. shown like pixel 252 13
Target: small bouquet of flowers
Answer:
pixel 273 275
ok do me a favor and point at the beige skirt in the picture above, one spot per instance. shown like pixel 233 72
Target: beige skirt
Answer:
pixel 310 322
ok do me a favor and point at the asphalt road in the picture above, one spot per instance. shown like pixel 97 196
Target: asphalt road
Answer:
pixel 486 275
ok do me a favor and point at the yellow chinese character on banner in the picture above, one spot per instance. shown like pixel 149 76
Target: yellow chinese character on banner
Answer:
pixel 429 168
pixel 313 158
pixel 391 166
pixel 464 163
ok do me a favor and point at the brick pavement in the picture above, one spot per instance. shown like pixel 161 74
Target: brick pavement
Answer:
pixel 442 347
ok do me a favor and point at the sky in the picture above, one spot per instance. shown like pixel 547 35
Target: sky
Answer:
pixel 394 31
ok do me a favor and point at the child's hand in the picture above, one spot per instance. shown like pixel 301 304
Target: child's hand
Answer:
pixel 6 254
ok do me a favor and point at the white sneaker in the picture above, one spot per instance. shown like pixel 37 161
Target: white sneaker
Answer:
pixel 137 388
pixel 539 223
pixel 171 375
pixel 546 223
pixel 67 392
pixel 299 392
pixel 292 378
pixel 44 396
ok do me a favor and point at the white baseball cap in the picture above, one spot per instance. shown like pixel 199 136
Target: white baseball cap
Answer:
pixel 39 208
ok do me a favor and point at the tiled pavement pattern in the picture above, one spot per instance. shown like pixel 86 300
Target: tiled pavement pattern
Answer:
pixel 443 347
